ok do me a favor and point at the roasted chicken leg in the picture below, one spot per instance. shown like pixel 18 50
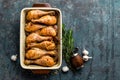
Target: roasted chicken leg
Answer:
pixel 43 61
pixel 47 19
pixel 36 53
pixel 35 14
pixel 47 45
pixel 30 27
pixel 47 31
pixel 33 37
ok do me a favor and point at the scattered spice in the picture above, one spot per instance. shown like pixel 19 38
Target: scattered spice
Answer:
pixel 55 72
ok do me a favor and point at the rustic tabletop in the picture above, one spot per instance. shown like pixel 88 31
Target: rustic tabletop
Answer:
pixel 96 26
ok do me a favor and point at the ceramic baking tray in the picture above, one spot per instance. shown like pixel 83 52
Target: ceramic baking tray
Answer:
pixel 23 37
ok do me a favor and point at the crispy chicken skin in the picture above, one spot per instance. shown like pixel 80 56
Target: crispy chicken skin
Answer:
pixel 43 61
pixel 33 37
pixel 36 53
pixel 35 14
pixel 47 31
pixel 46 45
pixel 47 19
pixel 30 27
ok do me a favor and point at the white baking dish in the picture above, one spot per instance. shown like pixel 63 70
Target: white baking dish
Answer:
pixel 23 36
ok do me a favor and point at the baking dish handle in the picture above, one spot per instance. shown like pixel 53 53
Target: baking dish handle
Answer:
pixel 41 5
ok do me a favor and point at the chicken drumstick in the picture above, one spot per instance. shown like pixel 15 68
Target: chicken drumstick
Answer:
pixel 43 61
pixel 30 27
pixel 47 45
pixel 33 37
pixel 47 31
pixel 35 14
pixel 36 53
pixel 47 19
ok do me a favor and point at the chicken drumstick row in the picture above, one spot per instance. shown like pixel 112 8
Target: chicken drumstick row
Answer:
pixel 43 61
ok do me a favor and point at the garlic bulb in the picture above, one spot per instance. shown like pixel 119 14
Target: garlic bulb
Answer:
pixel 86 58
pixel 14 57
pixel 85 52
pixel 65 69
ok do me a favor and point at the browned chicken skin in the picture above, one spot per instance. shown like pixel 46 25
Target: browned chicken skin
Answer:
pixel 43 61
pixel 47 45
pixel 47 19
pixel 33 37
pixel 30 27
pixel 35 14
pixel 47 31
pixel 36 53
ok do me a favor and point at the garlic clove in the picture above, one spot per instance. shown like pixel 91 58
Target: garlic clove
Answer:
pixel 86 58
pixel 65 69
pixel 90 57
pixel 85 52
pixel 14 57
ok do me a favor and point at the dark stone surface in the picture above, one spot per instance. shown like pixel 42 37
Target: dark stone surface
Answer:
pixel 96 26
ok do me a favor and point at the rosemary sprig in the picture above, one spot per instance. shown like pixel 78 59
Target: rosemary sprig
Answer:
pixel 68 44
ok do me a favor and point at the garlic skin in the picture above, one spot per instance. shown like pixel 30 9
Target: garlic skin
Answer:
pixel 65 69
pixel 85 52
pixel 14 57
pixel 86 58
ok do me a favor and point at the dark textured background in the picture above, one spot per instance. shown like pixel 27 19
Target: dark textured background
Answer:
pixel 96 26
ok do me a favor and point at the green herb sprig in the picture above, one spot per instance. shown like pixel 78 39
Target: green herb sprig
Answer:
pixel 68 44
